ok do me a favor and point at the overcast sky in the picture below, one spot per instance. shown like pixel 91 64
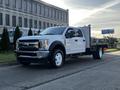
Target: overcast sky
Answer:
pixel 99 13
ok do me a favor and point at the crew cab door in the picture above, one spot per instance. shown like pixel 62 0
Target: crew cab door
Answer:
pixel 75 42
pixel 80 41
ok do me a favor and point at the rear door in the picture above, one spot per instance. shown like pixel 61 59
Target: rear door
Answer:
pixel 79 41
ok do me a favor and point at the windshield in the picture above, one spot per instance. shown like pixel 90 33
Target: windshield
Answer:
pixel 53 31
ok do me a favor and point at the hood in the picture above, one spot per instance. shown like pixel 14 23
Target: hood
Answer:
pixel 40 37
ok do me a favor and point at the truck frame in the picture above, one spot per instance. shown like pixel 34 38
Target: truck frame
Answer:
pixel 54 44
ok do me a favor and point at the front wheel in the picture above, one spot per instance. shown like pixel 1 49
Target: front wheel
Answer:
pixel 57 58
pixel 98 54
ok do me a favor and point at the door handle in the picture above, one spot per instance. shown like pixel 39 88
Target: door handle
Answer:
pixel 83 40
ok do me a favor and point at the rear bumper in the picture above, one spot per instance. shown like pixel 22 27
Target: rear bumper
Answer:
pixel 32 56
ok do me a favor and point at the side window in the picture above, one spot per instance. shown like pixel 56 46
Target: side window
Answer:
pixel 70 33
pixel 79 33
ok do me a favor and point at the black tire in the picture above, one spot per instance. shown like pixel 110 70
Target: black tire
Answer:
pixel 57 58
pixel 98 54
pixel 19 60
pixel 25 63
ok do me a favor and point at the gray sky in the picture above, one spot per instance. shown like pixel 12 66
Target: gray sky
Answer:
pixel 99 13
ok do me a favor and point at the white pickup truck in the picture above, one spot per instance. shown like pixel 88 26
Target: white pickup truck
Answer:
pixel 54 44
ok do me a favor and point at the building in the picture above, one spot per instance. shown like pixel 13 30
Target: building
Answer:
pixel 31 13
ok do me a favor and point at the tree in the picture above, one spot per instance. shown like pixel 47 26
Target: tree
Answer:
pixel 39 31
pixel 30 32
pixel 17 34
pixel 5 41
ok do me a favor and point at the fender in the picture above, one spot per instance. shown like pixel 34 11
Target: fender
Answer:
pixel 56 43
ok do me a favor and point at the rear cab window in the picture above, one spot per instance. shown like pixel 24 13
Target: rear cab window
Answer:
pixel 78 33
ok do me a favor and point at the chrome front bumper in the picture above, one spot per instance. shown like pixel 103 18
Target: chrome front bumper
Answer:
pixel 32 54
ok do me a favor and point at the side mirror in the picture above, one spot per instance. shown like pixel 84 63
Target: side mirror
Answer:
pixel 68 36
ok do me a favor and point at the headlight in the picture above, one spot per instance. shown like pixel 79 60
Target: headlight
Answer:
pixel 44 44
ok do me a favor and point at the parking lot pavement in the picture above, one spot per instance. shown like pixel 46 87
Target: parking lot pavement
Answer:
pixel 84 73
pixel 103 77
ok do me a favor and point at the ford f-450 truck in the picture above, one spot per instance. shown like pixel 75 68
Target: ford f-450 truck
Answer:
pixel 54 44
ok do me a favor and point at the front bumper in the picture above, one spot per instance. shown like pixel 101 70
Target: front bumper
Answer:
pixel 32 56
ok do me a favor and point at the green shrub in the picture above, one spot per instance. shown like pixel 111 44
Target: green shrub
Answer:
pixel 39 31
pixel 0 43
pixel 17 34
pixel 30 32
pixel 5 41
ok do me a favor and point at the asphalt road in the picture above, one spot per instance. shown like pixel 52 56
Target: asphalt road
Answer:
pixel 82 73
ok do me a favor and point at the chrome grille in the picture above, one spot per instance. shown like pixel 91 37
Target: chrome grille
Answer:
pixel 28 45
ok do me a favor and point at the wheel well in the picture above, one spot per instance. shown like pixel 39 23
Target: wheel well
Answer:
pixel 59 47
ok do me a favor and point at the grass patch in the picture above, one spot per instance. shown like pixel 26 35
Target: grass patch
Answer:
pixel 112 50
pixel 7 57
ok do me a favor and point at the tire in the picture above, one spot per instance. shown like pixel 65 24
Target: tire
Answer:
pixel 57 58
pixel 19 60
pixel 25 63
pixel 98 54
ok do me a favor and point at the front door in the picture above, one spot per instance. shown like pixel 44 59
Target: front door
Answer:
pixel 70 41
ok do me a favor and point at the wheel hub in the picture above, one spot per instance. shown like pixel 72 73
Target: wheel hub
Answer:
pixel 100 53
pixel 58 59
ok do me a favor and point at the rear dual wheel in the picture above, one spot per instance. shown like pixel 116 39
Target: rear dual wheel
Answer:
pixel 98 54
